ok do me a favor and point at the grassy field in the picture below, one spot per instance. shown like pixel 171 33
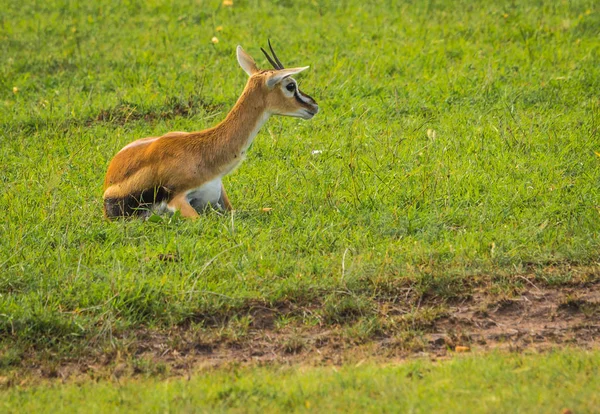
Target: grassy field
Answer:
pixel 457 149
pixel 498 383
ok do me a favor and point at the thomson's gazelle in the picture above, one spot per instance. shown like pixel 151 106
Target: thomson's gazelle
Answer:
pixel 183 171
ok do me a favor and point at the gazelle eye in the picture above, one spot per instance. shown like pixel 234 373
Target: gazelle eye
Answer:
pixel 291 87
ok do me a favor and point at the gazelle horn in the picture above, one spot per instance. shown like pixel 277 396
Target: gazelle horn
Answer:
pixel 275 60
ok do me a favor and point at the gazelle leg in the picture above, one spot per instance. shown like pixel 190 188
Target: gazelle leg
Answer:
pixel 224 200
pixel 180 202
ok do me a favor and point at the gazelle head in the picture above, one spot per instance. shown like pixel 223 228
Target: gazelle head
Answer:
pixel 282 95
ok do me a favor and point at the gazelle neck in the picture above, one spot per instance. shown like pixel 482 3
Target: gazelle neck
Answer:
pixel 224 146
pixel 242 123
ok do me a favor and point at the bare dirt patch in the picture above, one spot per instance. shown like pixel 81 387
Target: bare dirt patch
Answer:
pixel 536 318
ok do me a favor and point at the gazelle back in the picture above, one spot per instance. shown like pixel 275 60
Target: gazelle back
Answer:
pixel 182 171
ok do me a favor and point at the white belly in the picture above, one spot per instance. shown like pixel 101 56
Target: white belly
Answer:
pixel 208 193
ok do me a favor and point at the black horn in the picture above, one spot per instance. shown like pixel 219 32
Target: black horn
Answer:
pixel 275 56
pixel 276 62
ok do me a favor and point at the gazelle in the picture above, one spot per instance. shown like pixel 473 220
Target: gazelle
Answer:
pixel 183 171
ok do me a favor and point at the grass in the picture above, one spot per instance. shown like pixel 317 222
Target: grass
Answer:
pixel 495 383
pixel 458 144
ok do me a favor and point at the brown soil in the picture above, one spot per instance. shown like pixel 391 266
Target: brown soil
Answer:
pixel 537 318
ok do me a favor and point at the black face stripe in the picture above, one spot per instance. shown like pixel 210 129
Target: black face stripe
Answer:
pixel 308 98
pixel 298 98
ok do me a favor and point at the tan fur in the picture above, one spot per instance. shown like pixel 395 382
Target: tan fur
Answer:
pixel 181 161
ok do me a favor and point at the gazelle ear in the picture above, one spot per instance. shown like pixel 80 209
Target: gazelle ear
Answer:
pixel 246 61
pixel 280 75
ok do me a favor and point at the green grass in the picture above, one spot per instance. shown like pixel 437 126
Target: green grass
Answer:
pixel 457 143
pixel 497 383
